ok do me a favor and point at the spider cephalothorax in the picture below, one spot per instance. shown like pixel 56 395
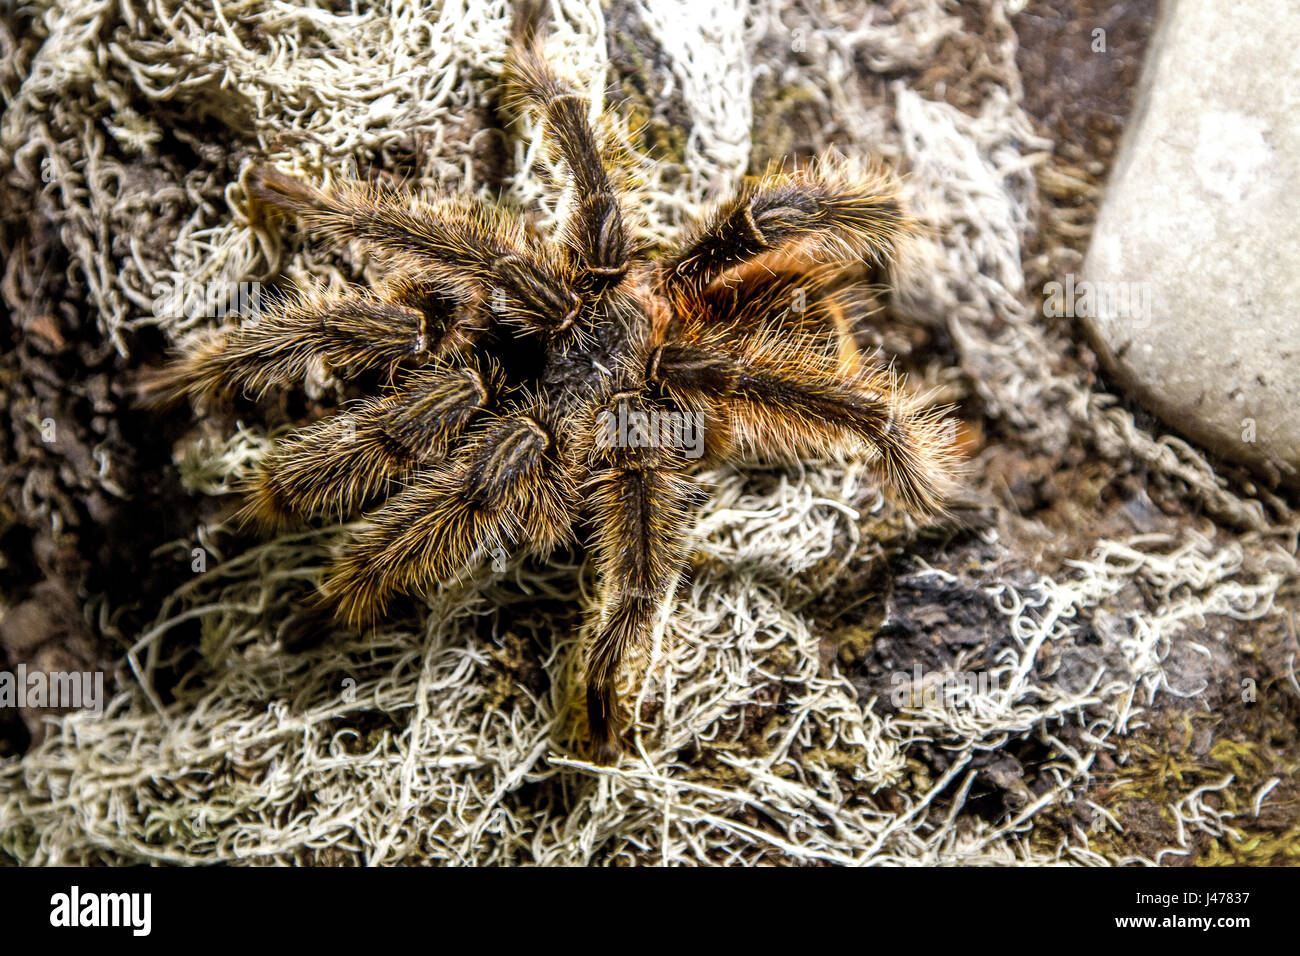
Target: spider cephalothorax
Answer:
pixel 540 390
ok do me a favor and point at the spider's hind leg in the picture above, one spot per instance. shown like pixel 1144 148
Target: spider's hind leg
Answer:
pixel 504 488
pixel 783 400
pixel 342 462
pixel 642 507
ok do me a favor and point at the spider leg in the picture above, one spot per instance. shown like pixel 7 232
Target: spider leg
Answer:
pixel 827 210
pixel 595 234
pixel 353 331
pixel 641 508
pixel 341 462
pixel 479 252
pixel 783 399
pixel 820 303
pixel 503 489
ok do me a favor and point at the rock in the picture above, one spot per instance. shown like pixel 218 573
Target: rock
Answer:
pixel 1196 253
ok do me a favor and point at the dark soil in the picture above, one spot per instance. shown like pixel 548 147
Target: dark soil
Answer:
pixel 87 487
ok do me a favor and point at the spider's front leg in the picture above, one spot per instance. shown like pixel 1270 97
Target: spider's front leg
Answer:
pixel 642 508
pixel 818 303
pixel 784 399
pixel 346 460
pixel 351 332
pixel 478 253
pixel 826 211
pixel 595 235
pixel 505 487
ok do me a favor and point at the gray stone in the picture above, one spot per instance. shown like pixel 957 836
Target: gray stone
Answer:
pixel 1194 270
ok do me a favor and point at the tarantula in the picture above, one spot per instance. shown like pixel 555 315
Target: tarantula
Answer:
pixel 530 381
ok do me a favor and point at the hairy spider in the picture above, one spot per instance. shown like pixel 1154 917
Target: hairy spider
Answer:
pixel 542 388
